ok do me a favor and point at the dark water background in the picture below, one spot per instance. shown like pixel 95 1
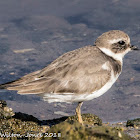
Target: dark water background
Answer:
pixel 52 27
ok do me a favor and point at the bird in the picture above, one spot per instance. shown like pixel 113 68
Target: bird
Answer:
pixel 78 75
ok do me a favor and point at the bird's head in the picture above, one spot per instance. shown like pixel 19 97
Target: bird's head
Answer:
pixel 115 43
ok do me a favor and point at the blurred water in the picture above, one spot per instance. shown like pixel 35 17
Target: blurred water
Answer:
pixel 52 28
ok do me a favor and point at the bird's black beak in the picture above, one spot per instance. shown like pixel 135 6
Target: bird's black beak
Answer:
pixel 134 48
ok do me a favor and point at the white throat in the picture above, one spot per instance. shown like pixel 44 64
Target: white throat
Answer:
pixel 116 56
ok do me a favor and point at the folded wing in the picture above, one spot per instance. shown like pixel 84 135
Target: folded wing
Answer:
pixel 70 73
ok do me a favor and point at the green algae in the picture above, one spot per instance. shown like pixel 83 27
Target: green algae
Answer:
pixel 24 126
pixel 75 131
pixel 89 119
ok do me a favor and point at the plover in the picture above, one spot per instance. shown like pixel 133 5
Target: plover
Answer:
pixel 79 75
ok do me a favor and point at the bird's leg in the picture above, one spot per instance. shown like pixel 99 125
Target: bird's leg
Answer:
pixel 78 112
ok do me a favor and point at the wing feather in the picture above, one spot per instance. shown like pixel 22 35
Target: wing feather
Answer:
pixel 70 73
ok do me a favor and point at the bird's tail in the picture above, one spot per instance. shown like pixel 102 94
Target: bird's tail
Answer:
pixel 8 84
pixel 21 81
pixel 3 86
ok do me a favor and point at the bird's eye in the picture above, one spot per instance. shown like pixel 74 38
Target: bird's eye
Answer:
pixel 121 42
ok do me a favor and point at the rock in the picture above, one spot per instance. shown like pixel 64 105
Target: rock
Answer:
pixel 75 131
pixel 3 104
pixel 133 123
pixel 87 119
pixel 24 126
pixel 5 112
pixel 25 117
pixel 18 125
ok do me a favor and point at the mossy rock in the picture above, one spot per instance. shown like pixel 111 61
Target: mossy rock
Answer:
pixel 3 104
pixel 75 131
pixel 5 112
pixel 18 127
pixel 133 123
pixel 25 117
pixel 87 119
